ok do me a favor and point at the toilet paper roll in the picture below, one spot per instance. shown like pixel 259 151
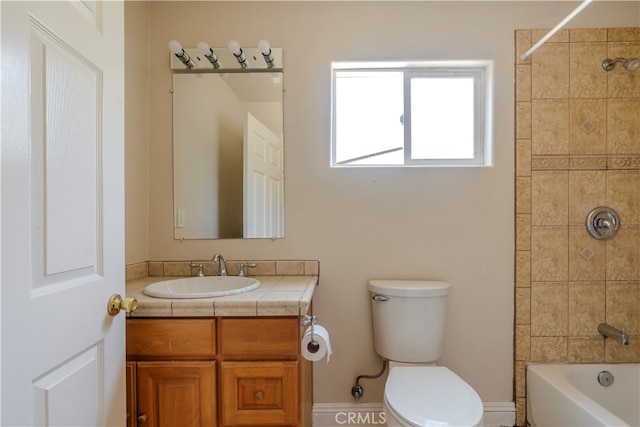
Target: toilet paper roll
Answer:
pixel 321 337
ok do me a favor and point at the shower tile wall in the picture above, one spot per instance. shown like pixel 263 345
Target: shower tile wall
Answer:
pixel 577 147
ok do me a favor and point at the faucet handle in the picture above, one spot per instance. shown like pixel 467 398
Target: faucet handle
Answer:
pixel 200 267
pixel 243 272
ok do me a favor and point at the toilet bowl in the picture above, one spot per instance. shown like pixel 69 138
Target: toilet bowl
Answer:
pixel 430 396
pixel 409 322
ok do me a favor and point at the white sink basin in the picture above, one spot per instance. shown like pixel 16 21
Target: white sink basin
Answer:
pixel 201 287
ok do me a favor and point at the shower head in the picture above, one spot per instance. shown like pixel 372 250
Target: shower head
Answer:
pixel 630 64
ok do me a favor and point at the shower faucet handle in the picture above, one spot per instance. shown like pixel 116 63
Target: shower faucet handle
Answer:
pixel 602 223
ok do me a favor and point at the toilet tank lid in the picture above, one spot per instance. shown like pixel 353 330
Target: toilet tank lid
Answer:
pixel 409 288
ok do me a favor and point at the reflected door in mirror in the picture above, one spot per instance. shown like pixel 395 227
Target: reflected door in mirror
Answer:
pixel 210 113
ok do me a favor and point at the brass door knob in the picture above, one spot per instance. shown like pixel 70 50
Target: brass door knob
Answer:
pixel 117 303
pixel 142 419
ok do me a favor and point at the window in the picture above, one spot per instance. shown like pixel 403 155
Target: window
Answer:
pixel 411 114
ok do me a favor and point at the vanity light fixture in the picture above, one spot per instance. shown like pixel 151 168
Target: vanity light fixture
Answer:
pixel 265 48
pixel 235 48
pixel 178 51
pixel 208 53
pixel 231 58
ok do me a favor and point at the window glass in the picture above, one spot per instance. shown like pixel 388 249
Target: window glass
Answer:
pixel 442 118
pixel 368 116
pixel 417 115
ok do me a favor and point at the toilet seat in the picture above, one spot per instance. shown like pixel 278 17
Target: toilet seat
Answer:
pixel 431 396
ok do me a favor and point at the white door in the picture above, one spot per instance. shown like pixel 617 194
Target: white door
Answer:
pixel 263 181
pixel 62 232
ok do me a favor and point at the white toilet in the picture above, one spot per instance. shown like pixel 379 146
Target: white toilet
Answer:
pixel 409 322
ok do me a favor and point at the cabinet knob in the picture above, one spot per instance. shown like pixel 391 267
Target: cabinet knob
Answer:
pixel 258 396
pixel 142 419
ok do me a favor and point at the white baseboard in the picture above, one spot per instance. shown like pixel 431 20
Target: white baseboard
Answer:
pixel 496 414
pixel 499 414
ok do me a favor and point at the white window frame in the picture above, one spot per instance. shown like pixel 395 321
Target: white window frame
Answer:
pixel 482 73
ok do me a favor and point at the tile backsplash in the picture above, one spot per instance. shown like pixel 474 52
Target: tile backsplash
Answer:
pixel 577 147
pixel 262 268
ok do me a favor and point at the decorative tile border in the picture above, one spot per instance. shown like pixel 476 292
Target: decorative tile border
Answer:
pixel 585 162
pixel 540 163
pixel 183 268
pixel 623 161
pixel 588 162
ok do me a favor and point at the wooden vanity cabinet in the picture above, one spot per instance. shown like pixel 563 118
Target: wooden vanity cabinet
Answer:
pixel 132 407
pixel 175 372
pixel 227 371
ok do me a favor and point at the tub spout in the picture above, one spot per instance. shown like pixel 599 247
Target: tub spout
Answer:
pixel 609 331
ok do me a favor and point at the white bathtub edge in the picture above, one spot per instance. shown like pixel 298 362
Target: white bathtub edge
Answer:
pixel 551 384
pixel 496 414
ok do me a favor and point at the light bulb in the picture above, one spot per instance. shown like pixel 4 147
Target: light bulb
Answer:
pixel 204 48
pixel 234 47
pixel 176 47
pixel 264 47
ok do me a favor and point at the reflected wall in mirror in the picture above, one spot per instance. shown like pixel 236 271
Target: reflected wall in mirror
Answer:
pixel 228 155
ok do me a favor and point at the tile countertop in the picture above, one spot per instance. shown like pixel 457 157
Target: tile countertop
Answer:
pixel 276 296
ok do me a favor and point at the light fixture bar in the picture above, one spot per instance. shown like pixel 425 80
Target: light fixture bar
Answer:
pixel 254 61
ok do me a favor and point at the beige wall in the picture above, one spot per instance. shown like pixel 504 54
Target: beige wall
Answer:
pixel 578 147
pixel 137 131
pixel 454 224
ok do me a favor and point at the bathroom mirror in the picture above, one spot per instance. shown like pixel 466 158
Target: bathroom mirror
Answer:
pixel 228 157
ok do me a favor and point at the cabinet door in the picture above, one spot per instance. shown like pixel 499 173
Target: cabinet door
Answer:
pixel 132 409
pixel 259 393
pixel 176 394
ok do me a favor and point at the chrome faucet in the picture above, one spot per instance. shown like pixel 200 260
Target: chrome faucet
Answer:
pixel 218 258
pixel 610 332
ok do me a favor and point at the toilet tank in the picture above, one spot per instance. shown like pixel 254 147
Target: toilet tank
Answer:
pixel 409 319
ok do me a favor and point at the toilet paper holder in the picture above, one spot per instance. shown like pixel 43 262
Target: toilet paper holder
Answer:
pixel 313 346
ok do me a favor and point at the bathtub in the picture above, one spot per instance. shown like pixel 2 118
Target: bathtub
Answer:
pixel 571 395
